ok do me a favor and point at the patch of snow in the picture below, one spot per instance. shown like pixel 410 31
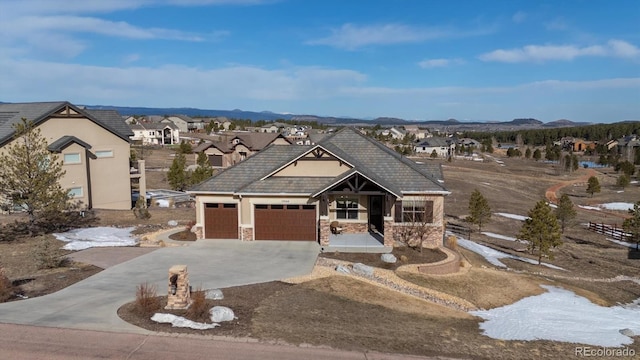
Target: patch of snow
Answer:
pixel 633 182
pixel 619 191
pixel 486 183
pixel 623 243
pixel 553 206
pixel 589 207
pixel 179 321
pixel 624 206
pixel 80 239
pixel 441 181
pixel 493 256
pixel 162 203
pixel 512 216
pixel 498 236
pixel 561 315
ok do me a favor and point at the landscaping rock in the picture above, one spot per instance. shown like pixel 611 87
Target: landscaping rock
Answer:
pixel 388 258
pixel 172 223
pixel 221 313
pixel 343 269
pixel 362 269
pixel 627 332
pixel 214 294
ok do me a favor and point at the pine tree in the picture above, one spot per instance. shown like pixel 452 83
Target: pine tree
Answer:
pixel 203 171
pixel 623 181
pixel 479 209
pixel 177 176
pixel 565 211
pixel 541 230
pixel 632 224
pixel 527 153
pixel 30 175
pixel 593 185
pixel 537 154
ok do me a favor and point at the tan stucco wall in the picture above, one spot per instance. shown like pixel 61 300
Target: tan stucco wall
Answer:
pixel 363 204
pixel 280 141
pixel 110 179
pixel 309 167
pixel 76 174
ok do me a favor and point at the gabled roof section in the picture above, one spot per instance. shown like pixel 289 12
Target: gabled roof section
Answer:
pixel 38 112
pixel 388 187
pixel 376 161
pixel 220 145
pixel 257 141
pixel 64 142
pixel 310 150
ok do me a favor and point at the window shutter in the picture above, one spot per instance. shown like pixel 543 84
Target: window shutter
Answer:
pixel 428 211
pixel 398 211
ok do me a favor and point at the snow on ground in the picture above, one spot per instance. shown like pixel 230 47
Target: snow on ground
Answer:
pixel 179 321
pixel 80 239
pixel 617 206
pixel 512 216
pixel 623 243
pixel 561 315
pixel 498 236
pixel 589 207
pixel 493 256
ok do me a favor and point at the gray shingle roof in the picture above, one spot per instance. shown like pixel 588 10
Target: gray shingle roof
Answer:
pixel 12 113
pixel 370 158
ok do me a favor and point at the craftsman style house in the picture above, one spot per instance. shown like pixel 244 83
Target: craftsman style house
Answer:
pixel 237 147
pixel 92 144
pixel 346 184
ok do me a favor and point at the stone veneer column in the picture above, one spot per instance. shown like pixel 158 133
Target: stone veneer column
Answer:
pixel 247 233
pixel 199 231
pixel 389 231
pixel 180 298
pixel 325 230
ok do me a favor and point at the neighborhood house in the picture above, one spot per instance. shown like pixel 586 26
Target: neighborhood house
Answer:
pixel 346 184
pixel 93 146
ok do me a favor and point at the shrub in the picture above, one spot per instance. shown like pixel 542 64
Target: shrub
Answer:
pixel 199 310
pixel 140 211
pixel 47 255
pixel 6 287
pixel 147 300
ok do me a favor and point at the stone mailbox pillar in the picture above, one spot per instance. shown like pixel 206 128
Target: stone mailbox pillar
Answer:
pixel 179 296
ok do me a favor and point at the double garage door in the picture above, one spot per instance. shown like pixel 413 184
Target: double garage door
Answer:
pixel 272 222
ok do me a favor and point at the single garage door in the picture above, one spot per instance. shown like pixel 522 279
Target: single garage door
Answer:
pixel 215 160
pixel 220 221
pixel 285 222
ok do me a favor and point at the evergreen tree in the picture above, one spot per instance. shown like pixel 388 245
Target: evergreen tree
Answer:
pixel 565 211
pixel 623 181
pixel 632 225
pixel 479 209
pixel 527 153
pixel 434 154
pixel 541 230
pixel 203 171
pixel 30 175
pixel 185 147
pixel 593 185
pixel 177 176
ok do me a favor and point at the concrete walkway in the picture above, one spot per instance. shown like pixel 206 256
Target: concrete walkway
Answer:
pixel 92 304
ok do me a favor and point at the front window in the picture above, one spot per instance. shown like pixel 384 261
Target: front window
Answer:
pixel 347 208
pixel 415 211
pixel 73 158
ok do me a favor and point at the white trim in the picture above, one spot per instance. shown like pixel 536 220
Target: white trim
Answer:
pixel 302 155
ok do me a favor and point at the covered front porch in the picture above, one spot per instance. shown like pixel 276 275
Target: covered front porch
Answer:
pixel 358 243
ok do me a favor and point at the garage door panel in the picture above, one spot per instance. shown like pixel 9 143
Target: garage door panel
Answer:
pixel 291 222
pixel 221 221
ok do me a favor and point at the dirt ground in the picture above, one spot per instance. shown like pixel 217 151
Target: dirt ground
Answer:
pixel 404 255
pixel 343 312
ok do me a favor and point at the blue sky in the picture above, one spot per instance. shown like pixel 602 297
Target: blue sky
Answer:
pixel 418 60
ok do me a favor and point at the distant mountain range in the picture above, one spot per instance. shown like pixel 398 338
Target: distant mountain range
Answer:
pixel 329 120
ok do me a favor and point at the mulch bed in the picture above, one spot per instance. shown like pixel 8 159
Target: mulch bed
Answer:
pixel 405 255
pixel 241 299
pixel 184 235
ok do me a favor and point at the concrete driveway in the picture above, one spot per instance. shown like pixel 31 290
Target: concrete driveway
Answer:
pixel 92 304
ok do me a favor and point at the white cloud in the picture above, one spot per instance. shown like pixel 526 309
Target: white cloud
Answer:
pixel 519 17
pixel 434 63
pixel 351 37
pixel 541 53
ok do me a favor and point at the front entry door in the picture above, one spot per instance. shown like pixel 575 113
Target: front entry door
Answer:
pixel 376 213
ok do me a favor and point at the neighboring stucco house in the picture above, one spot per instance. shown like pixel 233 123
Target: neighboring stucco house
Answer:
pixel 442 146
pixel 185 123
pixel 92 144
pixel 236 147
pixel 156 133
pixel 296 192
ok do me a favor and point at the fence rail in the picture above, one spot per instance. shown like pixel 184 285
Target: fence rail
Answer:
pixel 611 230
pixel 458 229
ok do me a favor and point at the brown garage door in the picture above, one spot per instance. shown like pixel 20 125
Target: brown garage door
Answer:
pixel 220 221
pixel 215 160
pixel 285 222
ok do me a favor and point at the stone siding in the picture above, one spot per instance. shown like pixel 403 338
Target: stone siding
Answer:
pixel 247 233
